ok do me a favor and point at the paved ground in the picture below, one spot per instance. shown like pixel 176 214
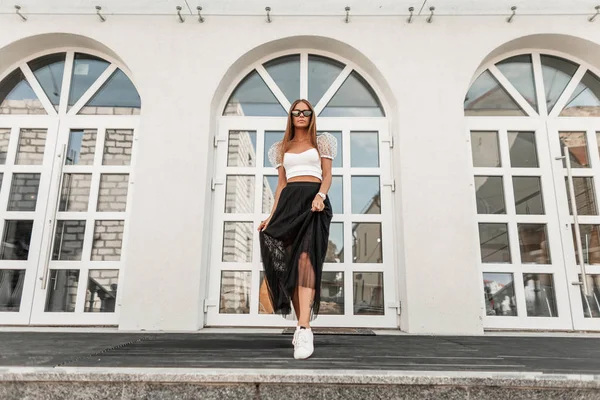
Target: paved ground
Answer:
pixel 259 351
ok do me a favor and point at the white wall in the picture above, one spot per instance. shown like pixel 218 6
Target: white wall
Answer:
pixel 182 72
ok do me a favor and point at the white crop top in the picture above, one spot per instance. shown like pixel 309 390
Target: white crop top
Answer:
pixel 306 163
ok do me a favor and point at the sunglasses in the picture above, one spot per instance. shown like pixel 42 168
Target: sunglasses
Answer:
pixel 306 113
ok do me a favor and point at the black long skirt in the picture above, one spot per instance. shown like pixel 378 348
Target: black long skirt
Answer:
pixel 294 245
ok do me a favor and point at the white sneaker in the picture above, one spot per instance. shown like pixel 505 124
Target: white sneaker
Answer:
pixel 304 346
pixel 295 338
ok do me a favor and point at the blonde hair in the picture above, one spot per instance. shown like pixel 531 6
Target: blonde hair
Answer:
pixel 290 130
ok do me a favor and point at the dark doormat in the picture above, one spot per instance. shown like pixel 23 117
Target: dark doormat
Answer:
pixel 335 331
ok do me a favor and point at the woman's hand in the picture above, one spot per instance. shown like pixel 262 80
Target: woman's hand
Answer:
pixel 263 224
pixel 317 204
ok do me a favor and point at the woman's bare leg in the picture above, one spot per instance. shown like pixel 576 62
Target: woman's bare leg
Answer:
pixel 305 289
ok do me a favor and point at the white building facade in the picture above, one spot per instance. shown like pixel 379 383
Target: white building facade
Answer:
pixel 134 169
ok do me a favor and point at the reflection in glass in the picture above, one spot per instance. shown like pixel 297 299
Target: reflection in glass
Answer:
pixel 86 70
pixel 365 195
pixel 24 192
pixel 49 71
pixel 31 147
pixel 264 301
pixel 4 139
pixel 268 193
pixel 585 195
pixel 355 98
pixel 336 194
pixel 241 150
pixel 117 96
pixel 540 297
pixel 499 294
pixel 332 293
pixel 68 240
pixel 239 194
pixel 117 147
pixel 366 242
pixel 285 71
pixel 108 240
pixel 557 72
pixel 335 247
pixel 82 146
pixel 237 241
pixel 75 192
pixel 11 289
pixel 590 243
pixel 271 137
pixel 485 149
pixel 322 71
pixel 519 71
pixel 338 160
pixel 17 97
pixel 523 150
pixel 101 293
pixel 591 302
pixel 489 195
pixel 493 242
pixel 235 292
pixel 528 195
pixel 368 293
pixel 364 149
pixel 113 192
pixel 486 97
pixel 62 290
pixel 585 100
pixel 16 240
pixel 253 98
pixel 533 242
pixel 578 149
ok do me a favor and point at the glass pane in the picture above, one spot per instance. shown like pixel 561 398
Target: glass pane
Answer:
pixel 590 243
pixel 241 151
pixel 239 194
pixel 11 289
pixel 253 98
pixel 485 149
pixel 86 70
pixel 322 71
pixel 82 147
pixel 31 147
pixel 24 192
pixel 365 195
pixel 117 147
pixel 533 242
pixel 237 241
pixel 578 149
pixel 493 242
pixel 68 240
pixel 113 192
pixel 519 71
pixel 271 137
pixel 355 98
pixel 557 73
pixel 16 240
pixel 585 196
pixel 487 98
pixel 108 240
pixel 366 242
pixel 75 192
pixel 101 293
pixel 4 139
pixel 17 97
pixel 528 195
pixel 585 100
pixel 591 302
pixel 523 150
pixel 335 247
pixel 49 71
pixel 117 96
pixel 364 149
pixel 268 194
pixel 540 297
pixel 62 290
pixel 336 194
pixel 332 293
pixel 368 293
pixel 235 292
pixel 499 292
pixel 264 301
pixel 489 195
pixel 285 71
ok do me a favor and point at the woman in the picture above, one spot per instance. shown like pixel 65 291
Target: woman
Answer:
pixel 294 238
